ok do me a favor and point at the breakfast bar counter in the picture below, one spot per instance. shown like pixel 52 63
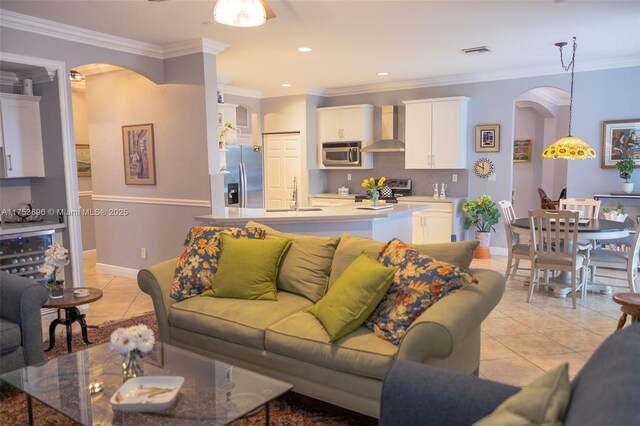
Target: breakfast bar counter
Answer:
pixel 381 225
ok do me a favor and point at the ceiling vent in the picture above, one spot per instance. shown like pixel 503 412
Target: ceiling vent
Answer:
pixel 477 50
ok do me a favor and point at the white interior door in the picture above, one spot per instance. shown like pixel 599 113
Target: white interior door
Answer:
pixel 282 163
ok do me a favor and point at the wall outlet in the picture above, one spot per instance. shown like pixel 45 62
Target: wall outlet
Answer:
pixel 143 253
pixel 454 178
pixel 348 176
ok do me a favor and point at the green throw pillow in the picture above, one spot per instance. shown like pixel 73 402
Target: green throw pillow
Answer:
pixel 353 296
pixel 306 265
pixel 543 402
pixel 247 269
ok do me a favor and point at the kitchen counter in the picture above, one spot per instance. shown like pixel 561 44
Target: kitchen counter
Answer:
pixel 408 198
pixel 24 227
pixel 329 221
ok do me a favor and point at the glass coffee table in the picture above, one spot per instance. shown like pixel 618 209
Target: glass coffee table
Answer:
pixel 79 385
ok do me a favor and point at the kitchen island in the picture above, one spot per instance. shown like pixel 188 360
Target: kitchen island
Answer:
pixel 381 225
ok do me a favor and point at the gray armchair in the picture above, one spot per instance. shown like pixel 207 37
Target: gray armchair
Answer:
pixel 20 321
pixel 605 391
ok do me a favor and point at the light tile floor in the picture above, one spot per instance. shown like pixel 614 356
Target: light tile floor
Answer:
pixel 520 340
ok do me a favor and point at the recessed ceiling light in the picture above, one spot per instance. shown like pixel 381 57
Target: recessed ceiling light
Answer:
pixel 304 49
pixel 383 73
pixel 286 84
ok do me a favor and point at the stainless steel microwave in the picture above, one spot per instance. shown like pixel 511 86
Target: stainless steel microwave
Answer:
pixel 341 154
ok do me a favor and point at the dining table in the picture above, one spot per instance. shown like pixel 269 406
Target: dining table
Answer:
pixel 591 229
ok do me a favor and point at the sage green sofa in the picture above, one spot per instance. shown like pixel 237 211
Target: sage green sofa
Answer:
pixel 280 340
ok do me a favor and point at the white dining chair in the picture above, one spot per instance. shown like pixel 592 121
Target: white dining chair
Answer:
pixel 554 245
pixel 610 259
pixel 587 208
pixel 516 251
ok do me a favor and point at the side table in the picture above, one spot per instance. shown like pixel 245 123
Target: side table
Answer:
pixel 69 302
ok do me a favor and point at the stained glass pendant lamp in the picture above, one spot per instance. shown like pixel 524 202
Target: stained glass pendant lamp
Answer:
pixel 569 147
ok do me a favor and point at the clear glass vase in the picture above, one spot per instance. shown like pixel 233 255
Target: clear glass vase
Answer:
pixel 132 365
pixel 375 195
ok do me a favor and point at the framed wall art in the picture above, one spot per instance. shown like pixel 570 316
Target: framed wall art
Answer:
pixel 488 138
pixel 83 160
pixel 620 140
pixel 521 151
pixel 139 154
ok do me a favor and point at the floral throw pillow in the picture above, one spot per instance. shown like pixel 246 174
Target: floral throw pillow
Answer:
pixel 199 260
pixel 420 282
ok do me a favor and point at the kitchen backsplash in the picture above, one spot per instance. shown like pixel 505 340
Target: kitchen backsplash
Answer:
pixel 391 165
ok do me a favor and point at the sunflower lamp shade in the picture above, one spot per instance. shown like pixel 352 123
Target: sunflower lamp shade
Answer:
pixel 569 147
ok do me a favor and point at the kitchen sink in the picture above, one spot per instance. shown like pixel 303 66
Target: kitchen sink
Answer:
pixel 301 209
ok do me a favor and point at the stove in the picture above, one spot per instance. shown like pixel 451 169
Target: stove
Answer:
pixel 399 188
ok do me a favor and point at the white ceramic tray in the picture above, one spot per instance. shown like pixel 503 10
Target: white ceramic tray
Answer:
pixel 153 393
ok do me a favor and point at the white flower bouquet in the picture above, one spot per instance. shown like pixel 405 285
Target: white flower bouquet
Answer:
pixel 55 257
pixel 136 338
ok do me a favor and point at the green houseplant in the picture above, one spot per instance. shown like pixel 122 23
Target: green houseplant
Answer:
pixel 625 168
pixel 483 214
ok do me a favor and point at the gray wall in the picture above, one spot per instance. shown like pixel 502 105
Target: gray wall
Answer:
pixel 527 177
pixel 177 112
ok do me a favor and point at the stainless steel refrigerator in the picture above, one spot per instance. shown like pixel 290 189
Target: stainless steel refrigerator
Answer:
pixel 243 183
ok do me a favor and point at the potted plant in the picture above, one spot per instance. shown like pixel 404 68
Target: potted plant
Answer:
pixel 616 214
pixel 226 137
pixel 625 168
pixel 55 257
pixel 483 214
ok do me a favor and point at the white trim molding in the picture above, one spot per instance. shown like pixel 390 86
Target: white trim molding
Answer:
pixel 240 91
pixel 119 271
pixel 150 200
pixel 85 193
pixel 45 27
pixel 91 252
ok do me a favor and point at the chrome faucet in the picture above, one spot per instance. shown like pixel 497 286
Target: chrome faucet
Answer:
pixel 294 197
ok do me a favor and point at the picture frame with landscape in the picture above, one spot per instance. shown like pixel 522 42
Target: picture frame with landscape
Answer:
pixel 521 151
pixel 488 138
pixel 83 160
pixel 139 154
pixel 620 140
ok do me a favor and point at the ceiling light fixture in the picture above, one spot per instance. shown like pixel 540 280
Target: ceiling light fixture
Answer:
pixel 240 13
pixel 286 84
pixel 75 76
pixel 569 147
pixel 382 74
pixel 304 49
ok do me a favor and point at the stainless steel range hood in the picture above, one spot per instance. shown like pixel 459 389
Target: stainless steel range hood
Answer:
pixel 389 141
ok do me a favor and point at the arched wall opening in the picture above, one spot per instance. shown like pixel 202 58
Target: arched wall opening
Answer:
pixel 540 118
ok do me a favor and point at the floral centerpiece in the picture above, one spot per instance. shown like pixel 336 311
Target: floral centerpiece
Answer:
pixel 483 214
pixel 616 214
pixel 132 342
pixel 55 257
pixel 374 188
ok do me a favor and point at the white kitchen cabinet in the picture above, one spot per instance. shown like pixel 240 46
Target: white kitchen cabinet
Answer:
pixel 349 123
pixel 21 136
pixel 438 222
pixel 436 133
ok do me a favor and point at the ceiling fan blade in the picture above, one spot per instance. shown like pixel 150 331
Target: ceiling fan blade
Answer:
pixel 267 9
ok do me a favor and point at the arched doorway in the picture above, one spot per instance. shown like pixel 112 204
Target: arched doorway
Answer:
pixel 540 118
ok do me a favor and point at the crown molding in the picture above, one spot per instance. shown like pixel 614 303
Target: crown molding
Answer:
pixel 624 62
pixel 549 96
pixel 31 24
pixel 66 32
pixel 240 91
pixel 91 69
pixel 316 91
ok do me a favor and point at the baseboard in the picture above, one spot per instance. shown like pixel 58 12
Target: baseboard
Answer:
pixel 499 251
pixel 91 252
pixel 118 271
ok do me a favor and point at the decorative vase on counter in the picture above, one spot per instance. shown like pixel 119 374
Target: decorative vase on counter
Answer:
pixel 375 195
pixel 132 365
pixel 627 187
